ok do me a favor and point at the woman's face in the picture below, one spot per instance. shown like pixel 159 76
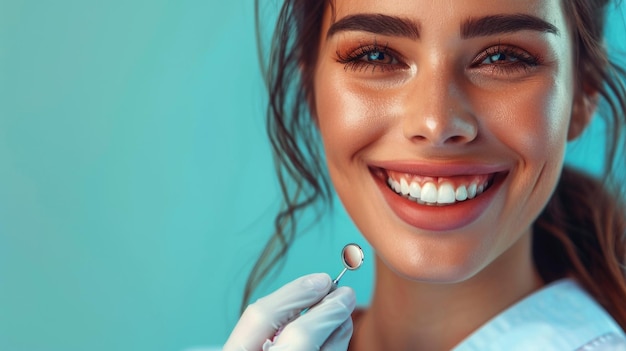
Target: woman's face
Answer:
pixel 444 124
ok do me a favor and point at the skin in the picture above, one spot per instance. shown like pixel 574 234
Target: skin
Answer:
pixel 437 101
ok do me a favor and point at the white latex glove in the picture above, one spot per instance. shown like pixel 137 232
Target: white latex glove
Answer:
pixel 327 325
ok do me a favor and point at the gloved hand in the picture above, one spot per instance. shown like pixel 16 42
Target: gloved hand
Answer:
pixel 327 325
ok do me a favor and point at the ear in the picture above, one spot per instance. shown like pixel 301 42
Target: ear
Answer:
pixel 583 109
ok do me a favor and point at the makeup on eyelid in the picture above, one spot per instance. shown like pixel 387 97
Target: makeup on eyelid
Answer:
pixel 501 59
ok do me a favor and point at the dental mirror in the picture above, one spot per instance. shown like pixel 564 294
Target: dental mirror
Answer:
pixel 352 258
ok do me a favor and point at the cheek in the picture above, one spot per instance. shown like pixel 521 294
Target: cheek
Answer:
pixel 531 126
pixel 532 122
pixel 346 119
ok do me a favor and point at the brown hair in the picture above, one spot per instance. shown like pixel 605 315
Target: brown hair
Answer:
pixel 581 232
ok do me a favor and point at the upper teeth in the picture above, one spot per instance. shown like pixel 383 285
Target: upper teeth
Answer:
pixel 431 193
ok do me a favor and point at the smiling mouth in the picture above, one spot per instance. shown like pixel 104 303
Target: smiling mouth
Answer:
pixel 436 191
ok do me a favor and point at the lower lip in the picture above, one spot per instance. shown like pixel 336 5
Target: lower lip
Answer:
pixel 439 218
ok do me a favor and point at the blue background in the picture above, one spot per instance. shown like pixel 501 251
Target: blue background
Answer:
pixel 136 181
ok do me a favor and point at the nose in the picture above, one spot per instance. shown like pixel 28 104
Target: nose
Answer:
pixel 439 113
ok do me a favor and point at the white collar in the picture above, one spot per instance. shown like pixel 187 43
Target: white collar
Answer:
pixel 560 316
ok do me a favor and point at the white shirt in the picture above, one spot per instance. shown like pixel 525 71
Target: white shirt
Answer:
pixel 561 316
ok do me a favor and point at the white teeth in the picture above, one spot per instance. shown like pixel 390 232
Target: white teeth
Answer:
pixel 404 187
pixel 461 193
pixel 415 190
pixel 471 191
pixel 445 194
pixel 396 186
pixel 429 193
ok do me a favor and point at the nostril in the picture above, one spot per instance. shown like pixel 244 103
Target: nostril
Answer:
pixel 456 139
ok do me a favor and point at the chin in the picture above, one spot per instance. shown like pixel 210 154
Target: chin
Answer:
pixel 432 268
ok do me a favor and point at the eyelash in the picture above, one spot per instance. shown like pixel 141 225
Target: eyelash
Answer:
pixel 353 60
pixel 523 60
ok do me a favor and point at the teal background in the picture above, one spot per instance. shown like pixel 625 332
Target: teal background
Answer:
pixel 136 182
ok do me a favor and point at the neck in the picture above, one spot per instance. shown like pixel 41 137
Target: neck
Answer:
pixel 410 315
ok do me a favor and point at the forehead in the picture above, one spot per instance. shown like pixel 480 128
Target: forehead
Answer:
pixel 437 15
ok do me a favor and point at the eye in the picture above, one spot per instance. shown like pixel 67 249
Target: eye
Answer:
pixel 499 58
pixel 370 57
pixel 505 59
pixel 379 57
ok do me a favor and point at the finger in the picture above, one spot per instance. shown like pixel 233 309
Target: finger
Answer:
pixel 262 319
pixel 311 330
pixel 340 338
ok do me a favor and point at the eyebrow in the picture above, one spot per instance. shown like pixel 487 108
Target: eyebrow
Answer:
pixel 472 27
pixel 377 23
pixel 499 24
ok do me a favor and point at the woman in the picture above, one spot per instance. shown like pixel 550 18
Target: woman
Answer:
pixel 444 126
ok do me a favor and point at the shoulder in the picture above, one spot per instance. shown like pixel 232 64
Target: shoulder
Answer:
pixel 561 316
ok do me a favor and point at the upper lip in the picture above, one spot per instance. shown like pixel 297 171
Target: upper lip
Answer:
pixel 440 169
